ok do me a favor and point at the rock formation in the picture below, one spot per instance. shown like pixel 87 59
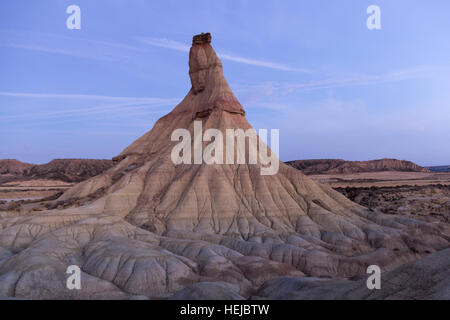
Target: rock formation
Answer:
pixel 148 227
pixel 334 166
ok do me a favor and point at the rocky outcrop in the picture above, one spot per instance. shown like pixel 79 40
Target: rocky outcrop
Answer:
pixel 336 166
pixel 150 227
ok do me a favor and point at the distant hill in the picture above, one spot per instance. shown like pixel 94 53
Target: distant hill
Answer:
pixel 67 170
pixel 439 168
pixel 13 166
pixel 336 166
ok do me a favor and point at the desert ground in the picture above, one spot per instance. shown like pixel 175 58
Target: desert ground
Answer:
pixel 23 199
pixel 26 187
pixel 422 195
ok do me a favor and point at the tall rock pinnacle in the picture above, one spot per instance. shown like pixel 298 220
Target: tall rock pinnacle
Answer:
pixel 150 226
pixel 201 58
pixel 207 79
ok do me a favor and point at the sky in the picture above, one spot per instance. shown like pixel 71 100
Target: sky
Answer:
pixel 311 69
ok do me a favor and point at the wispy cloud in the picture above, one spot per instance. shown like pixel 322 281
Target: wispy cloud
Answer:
pixel 54 50
pixel 111 106
pixel 164 43
pixel 180 46
pixel 260 63
pixel 358 80
pixel 111 51
pixel 111 111
pixel 68 46
pixel 87 97
pixel 263 92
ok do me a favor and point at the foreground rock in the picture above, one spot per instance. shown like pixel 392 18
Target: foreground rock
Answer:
pixel 151 228
pixel 428 278
pixel 207 291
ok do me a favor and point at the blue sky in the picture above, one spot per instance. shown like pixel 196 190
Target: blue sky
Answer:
pixel 310 68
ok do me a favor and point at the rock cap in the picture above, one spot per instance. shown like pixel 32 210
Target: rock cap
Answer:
pixel 202 38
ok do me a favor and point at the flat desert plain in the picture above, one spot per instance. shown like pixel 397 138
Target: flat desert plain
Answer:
pixel 383 179
pixel 27 196
pixel 421 195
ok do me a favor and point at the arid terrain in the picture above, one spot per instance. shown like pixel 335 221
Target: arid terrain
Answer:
pixel 426 202
pixel 25 186
pixel 382 179
pixel 403 188
pixel 150 228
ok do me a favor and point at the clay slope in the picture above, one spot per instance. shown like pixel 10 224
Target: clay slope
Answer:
pixel 148 227
pixel 334 166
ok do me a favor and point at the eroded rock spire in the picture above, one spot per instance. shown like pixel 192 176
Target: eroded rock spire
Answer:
pixel 201 58
pixel 209 87
pixel 148 226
